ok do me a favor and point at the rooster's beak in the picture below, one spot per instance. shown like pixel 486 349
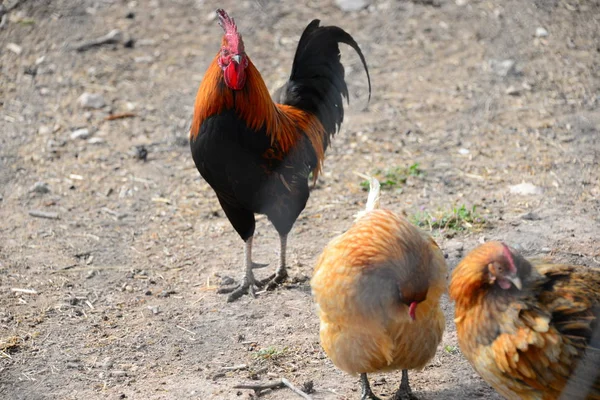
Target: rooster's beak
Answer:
pixel 237 58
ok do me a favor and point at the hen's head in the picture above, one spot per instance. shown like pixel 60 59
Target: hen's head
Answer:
pixel 232 60
pixel 491 265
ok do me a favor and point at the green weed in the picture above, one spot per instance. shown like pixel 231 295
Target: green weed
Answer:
pixel 393 177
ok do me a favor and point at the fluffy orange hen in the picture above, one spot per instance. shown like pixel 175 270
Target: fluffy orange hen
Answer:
pixel 531 331
pixel 378 288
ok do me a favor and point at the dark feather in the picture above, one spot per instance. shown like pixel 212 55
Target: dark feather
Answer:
pixel 317 83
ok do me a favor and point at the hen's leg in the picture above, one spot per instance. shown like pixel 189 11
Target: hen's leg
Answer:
pixel 281 274
pixel 248 282
pixel 366 393
pixel 404 393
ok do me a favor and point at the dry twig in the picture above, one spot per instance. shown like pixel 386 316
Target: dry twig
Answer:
pixel 114 36
pixel 235 367
pixel 112 117
pixel 274 385
pixel 27 291
pixel 43 214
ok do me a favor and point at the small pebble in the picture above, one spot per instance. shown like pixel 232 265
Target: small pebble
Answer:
pixel 107 363
pixel 525 188
pixel 143 59
pixel 91 100
pixel 351 5
pixel 141 152
pixel 82 133
pixel 15 48
pixel 541 32
pixel 502 67
pixel 513 91
pixel 530 216
pixel 40 187
pixel 96 140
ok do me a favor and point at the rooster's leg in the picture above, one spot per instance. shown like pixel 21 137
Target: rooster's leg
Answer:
pixel 248 282
pixel 366 393
pixel 404 393
pixel 281 274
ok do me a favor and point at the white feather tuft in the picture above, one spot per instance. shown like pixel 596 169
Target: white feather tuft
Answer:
pixel 374 194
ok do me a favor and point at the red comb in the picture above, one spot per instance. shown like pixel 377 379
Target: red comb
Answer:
pixel 226 22
pixel 231 32
pixel 508 254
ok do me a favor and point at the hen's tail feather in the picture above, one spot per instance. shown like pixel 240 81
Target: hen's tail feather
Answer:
pixel 317 83
pixel 374 195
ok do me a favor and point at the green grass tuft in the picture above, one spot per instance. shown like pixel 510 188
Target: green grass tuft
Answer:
pixel 451 349
pixel 271 353
pixel 393 178
pixel 457 219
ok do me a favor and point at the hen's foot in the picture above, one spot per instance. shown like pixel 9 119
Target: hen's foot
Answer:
pixel 404 393
pixel 366 393
pixel 369 396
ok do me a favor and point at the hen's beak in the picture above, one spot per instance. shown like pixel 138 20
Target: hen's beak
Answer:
pixel 516 281
pixel 237 58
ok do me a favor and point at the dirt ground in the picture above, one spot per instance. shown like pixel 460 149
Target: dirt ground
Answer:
pixel 122 301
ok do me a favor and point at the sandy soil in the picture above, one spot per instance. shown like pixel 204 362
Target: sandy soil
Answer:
pixel 124 278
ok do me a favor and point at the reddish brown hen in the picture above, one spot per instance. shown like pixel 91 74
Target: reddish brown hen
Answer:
pixel 531 331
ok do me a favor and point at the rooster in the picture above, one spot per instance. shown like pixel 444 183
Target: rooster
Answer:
pixel 531 331
pixel 378 289
pixel 256 154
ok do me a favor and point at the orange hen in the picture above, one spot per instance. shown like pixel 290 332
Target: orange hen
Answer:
pixel 531 331
pixel 378 288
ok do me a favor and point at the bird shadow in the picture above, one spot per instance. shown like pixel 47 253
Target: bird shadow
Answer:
pixel 474 391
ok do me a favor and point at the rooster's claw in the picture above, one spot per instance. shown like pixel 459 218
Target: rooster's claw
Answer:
pixel 247 287
pixel 275 280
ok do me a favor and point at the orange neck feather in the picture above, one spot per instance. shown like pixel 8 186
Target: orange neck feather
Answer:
pixel 284 124
pixel 467 285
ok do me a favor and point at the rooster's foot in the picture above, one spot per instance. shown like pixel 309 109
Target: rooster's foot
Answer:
pixel 275 280
pixel 247 286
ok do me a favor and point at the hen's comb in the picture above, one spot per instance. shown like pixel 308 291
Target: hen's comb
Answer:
pixel 231 32
pixel 509 257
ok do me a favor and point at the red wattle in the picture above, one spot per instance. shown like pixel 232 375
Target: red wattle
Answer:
pixel 235 76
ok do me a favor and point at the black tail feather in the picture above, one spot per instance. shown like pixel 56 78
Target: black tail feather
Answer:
pixel 317 83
